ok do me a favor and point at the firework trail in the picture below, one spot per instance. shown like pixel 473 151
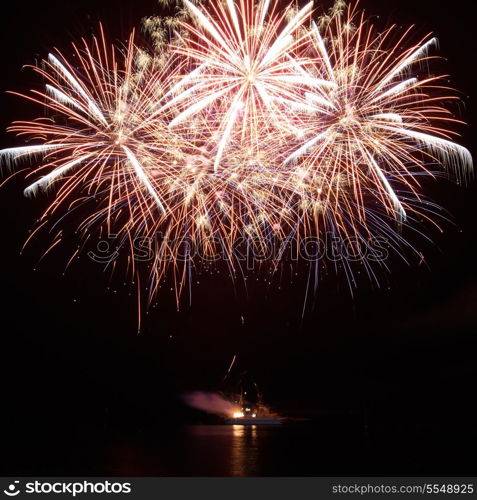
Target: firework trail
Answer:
pixel 243 122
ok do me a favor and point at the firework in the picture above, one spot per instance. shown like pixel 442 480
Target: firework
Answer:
pixel 379 127
pixel 245 122
pixel 99 139
pixel 247 69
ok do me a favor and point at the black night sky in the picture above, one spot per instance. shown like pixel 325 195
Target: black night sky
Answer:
pixel 398 361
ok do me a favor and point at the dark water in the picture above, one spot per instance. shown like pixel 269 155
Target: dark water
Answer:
pixel 235 450
pixel 328 447
pixel 314 449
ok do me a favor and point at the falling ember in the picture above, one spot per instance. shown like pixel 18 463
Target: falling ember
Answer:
pixel 249 121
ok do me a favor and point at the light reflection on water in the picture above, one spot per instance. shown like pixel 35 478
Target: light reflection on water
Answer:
pixel 244 450
pixel 231 450
pixel 236 450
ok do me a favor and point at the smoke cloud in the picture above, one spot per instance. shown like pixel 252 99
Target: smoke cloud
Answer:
pixel 210 402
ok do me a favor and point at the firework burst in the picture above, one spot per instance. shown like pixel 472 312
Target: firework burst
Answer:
pixel 248 72
pixel 99 139
pixel 380 126
pixel 244 123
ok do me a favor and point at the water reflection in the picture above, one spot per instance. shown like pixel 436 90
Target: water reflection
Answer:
pixel 244 450
pixel 237 451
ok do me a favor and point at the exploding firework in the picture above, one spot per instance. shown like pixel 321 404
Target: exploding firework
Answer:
pixel 378 127
pixel 244 70
pixel 246 122
pixel 101 140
